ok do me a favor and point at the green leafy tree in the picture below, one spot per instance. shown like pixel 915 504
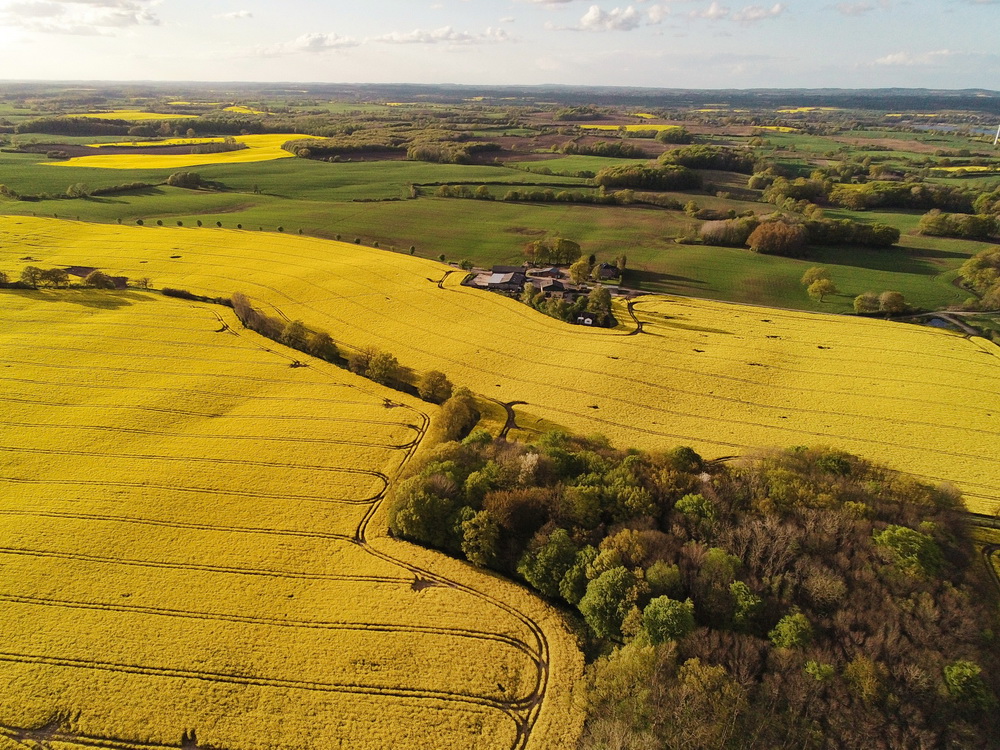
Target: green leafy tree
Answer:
pixel 663 579
pixel 528 293
pixel 821 288
pixel 422 515
pixel 573 585
pixel 435 387
pixel 480 539
pixel 697 507
pixel 910 549
pixel 545 567
pixel 792 631
pixel 579 272
pixel 608 600
pixel 966 686
pixel 666 619
pixel 746 605
pixel 359 360
pixel 814 274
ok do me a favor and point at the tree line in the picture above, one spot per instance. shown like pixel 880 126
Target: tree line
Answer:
pixel 369 362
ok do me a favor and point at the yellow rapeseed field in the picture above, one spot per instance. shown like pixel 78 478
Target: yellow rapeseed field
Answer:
pixel 239 109
pixel 799 110
pixel 777 128
pixel 132 115
pixel 971 168
pixel 726 379
pixel 259 148
pixel 192 548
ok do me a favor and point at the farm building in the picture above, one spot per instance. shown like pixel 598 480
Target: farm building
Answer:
pixel 506 282
pixel 551 273
pixel 586 318
pixel 608 271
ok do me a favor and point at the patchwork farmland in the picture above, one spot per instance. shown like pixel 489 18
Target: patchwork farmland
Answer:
pixel 194 553
pixel 725 379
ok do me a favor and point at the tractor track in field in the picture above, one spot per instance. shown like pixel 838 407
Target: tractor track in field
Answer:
pixel 506 706
pixel 208 436
pixel 191 490
pixel 279 622
pixel 189 413
pixel 527 711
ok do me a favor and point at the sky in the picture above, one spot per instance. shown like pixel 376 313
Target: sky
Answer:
pixel 950 44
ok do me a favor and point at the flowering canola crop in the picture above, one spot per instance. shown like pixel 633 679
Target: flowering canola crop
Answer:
pixel 192 549
pixel 726 379
pixel 259 148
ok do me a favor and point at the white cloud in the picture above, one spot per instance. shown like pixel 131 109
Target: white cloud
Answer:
pixel 236 15
pixel 754 13
pixel 314 43
pixel 910 59
pixel 617 19
pixel 713 12
pixel 444 35
pixel 657 13
pixel 78 16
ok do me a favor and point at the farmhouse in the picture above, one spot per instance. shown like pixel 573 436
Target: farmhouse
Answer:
pixel 608 271
pixel 586 318
pixel 506 282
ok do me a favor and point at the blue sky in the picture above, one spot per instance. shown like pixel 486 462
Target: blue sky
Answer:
pixel 663 43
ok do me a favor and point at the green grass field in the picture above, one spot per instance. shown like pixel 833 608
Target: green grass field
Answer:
pixel 372 201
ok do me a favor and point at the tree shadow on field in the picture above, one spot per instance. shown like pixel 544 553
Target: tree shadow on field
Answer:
pixel 658 281
pixel 898 259
pixel 97 298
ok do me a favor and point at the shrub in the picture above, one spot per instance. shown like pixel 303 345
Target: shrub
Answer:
pixel 435 387
pixel 189 180
pixel 99 280
pixel 778 238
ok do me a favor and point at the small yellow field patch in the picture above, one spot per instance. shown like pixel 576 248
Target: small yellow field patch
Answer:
pixel 644 115
pixel 966 169
pixel 259 148
pixel 777 128
pixel 132 115
pixel 243 110
pixel 798 110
